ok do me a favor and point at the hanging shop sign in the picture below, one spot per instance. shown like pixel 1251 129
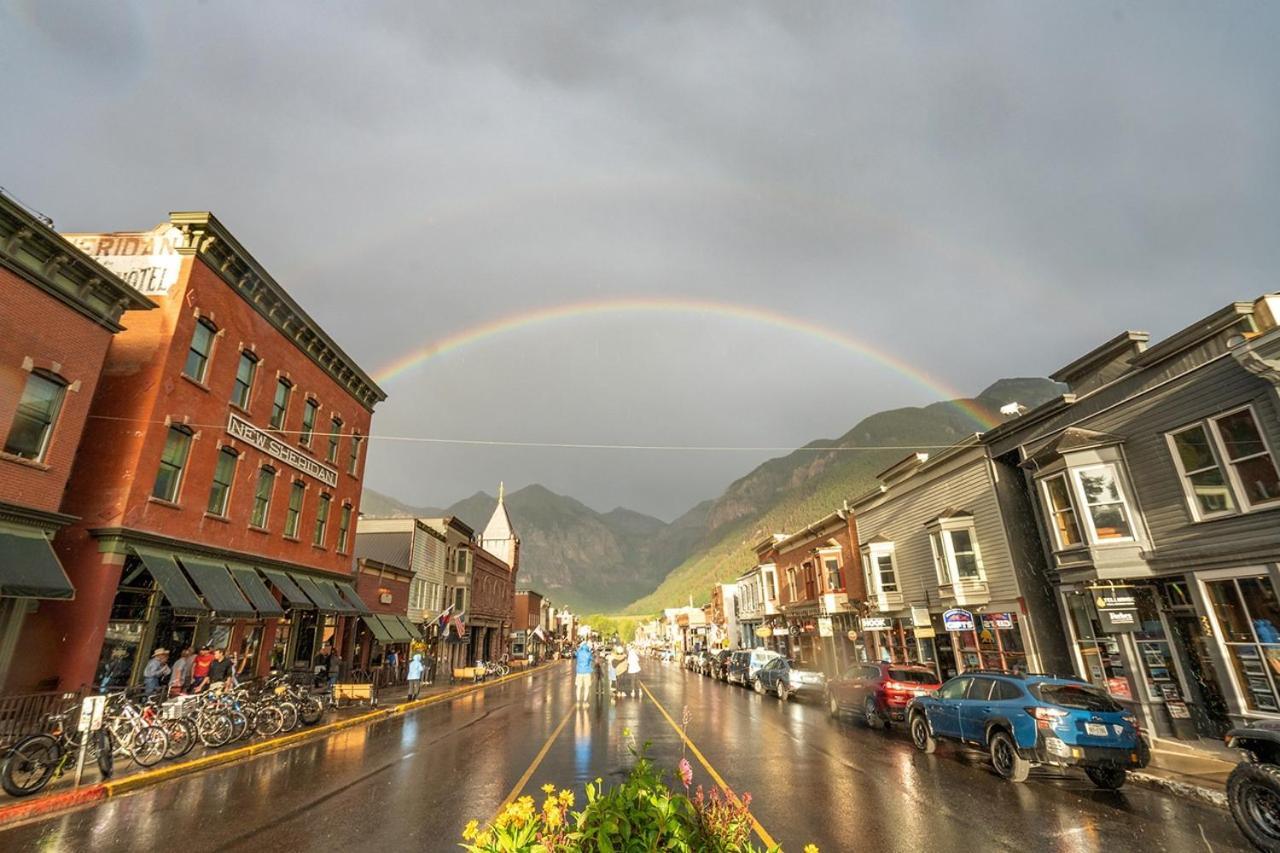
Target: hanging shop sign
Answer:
pixel 762 631
pixel 922 622
pixel 957 620
pixel 1117 609
pixel 780 632
pixel 853 636
pixel 239 428
pixel 824 627
pixel 876 623
pixel 998 621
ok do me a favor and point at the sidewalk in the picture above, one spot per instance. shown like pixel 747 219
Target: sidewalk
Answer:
pixel 1197 771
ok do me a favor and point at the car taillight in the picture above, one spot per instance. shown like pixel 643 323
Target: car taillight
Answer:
pixel 1045 717
pixel 896 686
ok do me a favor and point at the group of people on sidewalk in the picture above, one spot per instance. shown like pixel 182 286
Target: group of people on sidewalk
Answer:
pixel 614 671
pixel 192 672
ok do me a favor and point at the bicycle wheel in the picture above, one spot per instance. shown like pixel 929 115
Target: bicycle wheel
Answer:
pixel 182 737
pixel 215 729
pixel 311 711
pixel 106 752
pixel 268 721
pixel 239 724
pixel 29 765
pixel 289 712
pixel 149 745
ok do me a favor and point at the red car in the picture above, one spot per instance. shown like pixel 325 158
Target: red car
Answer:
pixel 879 692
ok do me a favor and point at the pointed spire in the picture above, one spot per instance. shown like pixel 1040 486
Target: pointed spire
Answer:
pixel 501 489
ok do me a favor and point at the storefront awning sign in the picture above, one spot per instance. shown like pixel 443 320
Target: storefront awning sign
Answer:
pixel 28 566
pixel 824 627
pixel 780 632
pixel 999 621
pixel 957 620
pixel 1117 609
pixel 876 623
pixel 762 631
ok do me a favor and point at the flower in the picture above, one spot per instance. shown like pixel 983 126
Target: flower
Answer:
pixel 686 772
pixel 811 848
pixel 469 832
pixel 548 788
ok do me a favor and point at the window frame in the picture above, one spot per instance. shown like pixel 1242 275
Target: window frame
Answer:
pixel 953 564
pixel 207 358
pixel 46 436
pixel 181 469
pixel 309 411
pixel 320 532
pixel 344 527
pixel 872 571
pixel 828 556
pixel 250 357
pixel 293 515
pixel 1052 513
pixel 266 507
pixel 1125 503
pixel 224 452
pixel 335 438
pixel 1218 447
pixel 272 423
pixel 353 461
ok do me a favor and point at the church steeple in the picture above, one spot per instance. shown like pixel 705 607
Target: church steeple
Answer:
pixel 499 537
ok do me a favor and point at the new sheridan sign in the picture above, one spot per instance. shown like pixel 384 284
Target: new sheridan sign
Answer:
pixel 239 428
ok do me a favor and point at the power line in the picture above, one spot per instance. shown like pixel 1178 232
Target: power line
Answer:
pixel 569 445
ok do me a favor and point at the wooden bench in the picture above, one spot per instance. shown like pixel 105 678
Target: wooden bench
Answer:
pixel 467 673
pixel 354 692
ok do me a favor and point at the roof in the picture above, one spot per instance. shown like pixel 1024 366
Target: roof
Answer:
pixel 392 549
pixel 499 527
pixel 1071 439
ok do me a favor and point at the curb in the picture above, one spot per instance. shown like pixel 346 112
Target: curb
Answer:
pixel 1208 796
pixel 50 803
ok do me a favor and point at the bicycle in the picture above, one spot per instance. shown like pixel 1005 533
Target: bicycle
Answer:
pixel 133 735
pixel 31 763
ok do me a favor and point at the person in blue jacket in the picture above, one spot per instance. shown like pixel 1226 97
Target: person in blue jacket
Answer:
pixel 582 672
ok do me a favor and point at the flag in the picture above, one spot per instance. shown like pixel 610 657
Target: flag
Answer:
pixel 540 634
pixel 443 620
pixel 458 624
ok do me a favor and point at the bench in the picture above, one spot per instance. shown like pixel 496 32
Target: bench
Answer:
pixel 352 693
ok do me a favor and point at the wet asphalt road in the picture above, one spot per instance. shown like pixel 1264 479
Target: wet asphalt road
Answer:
pixel 412 782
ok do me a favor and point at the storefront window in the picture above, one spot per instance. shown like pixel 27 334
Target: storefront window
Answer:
pixel 249 646
pixel 280 648
pixel 1099 652
pixel 1154 650
pixel 1249 618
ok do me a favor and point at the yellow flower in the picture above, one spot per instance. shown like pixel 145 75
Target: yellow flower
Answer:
pixel 469 832
pixel 566 797
pixel 548 788
pixel 483 839
pixel 811 848
pixel 553 818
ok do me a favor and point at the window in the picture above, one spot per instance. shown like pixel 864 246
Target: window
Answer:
pixel 224 473
pixel 886 577
pixel 832 567
pixel 201 348
pixel 417 594
pixel 1202 472
pixel 954 689
pixel 37 411
pixel 294 515
pixel 353 463
pixel 461 561
pixel 172 460
pixel 791 583
pixel 335 432
pixel 1105 507
pixel 308 422
pixel 246 370
pixel 280 405
pixel 1248 615
pixel 459 599
pixel 1248 456
pixel 1066 528
pixel 262 496
pixel 963 553
pixel 940 564
pixel 344 525
pixel 322 520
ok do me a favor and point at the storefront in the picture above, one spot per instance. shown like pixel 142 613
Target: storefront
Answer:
pixel 949 642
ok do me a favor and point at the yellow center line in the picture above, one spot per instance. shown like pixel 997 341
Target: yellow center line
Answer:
pixel 537 759
pixel 719 780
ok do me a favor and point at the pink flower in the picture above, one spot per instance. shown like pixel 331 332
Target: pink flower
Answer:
pixel 686 773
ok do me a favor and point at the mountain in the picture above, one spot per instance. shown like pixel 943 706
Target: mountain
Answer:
pixel 784 493
pixel 588 560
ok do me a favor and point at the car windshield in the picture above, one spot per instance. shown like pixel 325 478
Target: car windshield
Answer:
pixel 1081 697
pixel 913 676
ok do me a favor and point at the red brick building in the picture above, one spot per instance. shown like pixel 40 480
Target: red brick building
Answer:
pixel 220 476
pixel 820 583
pixel 526 619
pixel 384 587
pixel 58 313
pixel 495 563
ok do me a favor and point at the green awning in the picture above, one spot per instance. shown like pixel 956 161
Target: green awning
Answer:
pixel 349 593
pixel 215 584
pixel 252 585
pixel 28 566
pixel 171 580
pixel 340 603
pixel 379 631
pixel 296 597
pixel 397 631
pixel 415 633
pixel 326 598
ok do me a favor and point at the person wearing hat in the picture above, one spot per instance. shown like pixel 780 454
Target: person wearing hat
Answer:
pixel 156 671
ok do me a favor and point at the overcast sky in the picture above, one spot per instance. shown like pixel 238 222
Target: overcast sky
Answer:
pixel 982 190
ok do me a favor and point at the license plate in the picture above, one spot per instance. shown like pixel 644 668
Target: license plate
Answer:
pixel 1095 729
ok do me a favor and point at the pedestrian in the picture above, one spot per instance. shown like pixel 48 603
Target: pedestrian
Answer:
pixel 615 665
pixel 116 672
pixel 180 678
pixel 416 669
pixel 585 660
pixel 320 665
pixel 221 670
pixel 602 672
pixel 200 669
pixel 334 666
pixel 633 672
pixel 156 672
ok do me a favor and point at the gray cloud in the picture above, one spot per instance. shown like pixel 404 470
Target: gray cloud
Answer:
pixel 981 189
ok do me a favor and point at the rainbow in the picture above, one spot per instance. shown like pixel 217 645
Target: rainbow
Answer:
pixel 670 305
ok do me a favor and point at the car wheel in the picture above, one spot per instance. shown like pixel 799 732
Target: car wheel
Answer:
pixel 1253 793
pixel 1107 778
pixel 833 705
pixel 783 693
pixel 759 685
pixel 921 736
pixel 1005 758
pixel 871 714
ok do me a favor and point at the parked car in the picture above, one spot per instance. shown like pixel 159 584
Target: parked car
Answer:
pixel 744 665
pixel 702 662
pixel 718 664
pixel 1253 788
pixel 783 677
pixel 879 692
pixel 1028 720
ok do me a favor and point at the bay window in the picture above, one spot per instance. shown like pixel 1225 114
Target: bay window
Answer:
pixel 1106 511
pixel 1062 512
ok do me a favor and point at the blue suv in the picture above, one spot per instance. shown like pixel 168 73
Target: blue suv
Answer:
pixel 1028 720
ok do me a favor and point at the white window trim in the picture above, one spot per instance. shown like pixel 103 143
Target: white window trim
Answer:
pixel 871 566
pixel 1050 514
pixel 1219 449
pixel 1078 494
pixel 1201 579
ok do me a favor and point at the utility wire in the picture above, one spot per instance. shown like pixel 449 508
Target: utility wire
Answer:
pixel 571 445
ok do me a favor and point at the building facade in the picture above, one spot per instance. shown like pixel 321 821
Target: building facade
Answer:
pixel 453 640
pixel 384 636
pixel 724 616
pixel 218 503
pixel 529 636
pixel 1153 483
pixel 946 586
pixel 59 311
